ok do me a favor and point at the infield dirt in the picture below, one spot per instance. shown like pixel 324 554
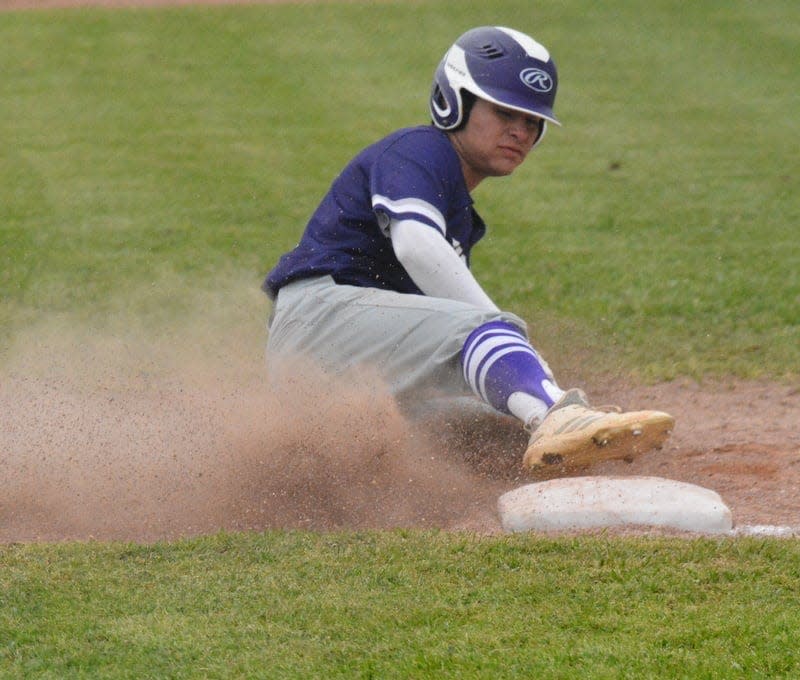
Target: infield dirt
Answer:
pixel 118 438
pixel 131 438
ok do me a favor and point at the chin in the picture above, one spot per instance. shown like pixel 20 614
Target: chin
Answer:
pixel 508 167
pixel 504 172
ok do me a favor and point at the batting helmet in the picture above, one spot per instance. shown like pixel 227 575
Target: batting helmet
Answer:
pixel 497 64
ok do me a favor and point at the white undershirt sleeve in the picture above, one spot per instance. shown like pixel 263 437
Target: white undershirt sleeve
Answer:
pixel 433 265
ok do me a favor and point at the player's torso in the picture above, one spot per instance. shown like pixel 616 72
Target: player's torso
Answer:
pixel 414 171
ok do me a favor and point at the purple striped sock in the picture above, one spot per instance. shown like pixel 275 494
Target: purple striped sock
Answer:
pixel 498 360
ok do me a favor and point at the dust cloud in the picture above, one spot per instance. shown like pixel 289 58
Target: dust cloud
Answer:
pixel 132 437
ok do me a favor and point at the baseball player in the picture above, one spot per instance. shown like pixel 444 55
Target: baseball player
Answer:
pixel 381 275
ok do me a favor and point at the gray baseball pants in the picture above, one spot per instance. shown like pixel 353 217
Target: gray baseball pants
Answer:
pixel 414 341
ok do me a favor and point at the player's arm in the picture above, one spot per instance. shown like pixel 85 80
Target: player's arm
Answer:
pixel 433 265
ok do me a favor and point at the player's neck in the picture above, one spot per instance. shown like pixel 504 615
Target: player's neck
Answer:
pixel 473 175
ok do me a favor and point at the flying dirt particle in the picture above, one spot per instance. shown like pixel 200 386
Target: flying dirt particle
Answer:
pixel 94 447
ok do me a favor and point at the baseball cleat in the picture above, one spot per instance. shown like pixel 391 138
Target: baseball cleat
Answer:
pixel 573 435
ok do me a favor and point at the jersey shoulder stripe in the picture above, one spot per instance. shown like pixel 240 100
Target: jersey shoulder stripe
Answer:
pixel 408 208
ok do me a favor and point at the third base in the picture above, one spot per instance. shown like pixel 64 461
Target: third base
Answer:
pixel 577 503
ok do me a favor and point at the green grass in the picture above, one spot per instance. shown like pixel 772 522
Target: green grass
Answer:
pixel 155 163
pixel 656 231
pixel 400 605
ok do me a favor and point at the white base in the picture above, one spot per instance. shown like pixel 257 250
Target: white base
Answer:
pixel 772 530
pixel 597 502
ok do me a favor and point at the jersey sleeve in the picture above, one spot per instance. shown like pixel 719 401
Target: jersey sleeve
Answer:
pixel 412 180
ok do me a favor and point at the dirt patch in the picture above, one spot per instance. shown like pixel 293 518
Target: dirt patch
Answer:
pixel 741 439
pixel 120 439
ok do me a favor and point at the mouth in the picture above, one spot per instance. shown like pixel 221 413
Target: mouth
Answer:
pixel 512 152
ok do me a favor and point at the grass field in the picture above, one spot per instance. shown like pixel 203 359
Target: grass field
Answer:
pixel 401 605
pixel 150 153
pixel 154 164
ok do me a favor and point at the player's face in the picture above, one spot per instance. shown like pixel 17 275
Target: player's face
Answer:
pixel 494 142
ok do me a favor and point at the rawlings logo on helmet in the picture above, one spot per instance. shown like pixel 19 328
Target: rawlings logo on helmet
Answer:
pixel 536 79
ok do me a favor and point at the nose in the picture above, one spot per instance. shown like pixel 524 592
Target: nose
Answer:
pixel 524 129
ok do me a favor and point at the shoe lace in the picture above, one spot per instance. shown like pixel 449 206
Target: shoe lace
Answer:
pixel 607 408
pixel 531 426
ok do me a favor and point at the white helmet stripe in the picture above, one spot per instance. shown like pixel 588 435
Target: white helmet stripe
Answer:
pixel 533 48
pixel 458 73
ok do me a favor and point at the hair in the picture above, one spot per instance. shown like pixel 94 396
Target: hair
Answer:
pixel 467 102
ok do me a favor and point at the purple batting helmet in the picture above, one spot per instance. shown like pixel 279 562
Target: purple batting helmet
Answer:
pixel 497 64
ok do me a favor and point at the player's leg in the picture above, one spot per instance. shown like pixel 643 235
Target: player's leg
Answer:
pixel 413 341
pixel 430 345
pixel 502 368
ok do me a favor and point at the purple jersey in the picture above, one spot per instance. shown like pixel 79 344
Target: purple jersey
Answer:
pixel 414 173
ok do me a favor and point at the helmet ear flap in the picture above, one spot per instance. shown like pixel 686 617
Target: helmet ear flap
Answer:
pixel 438 98
pixel 542 130
pixel 445 106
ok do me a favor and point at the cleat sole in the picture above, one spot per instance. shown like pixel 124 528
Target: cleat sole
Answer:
pixel 625 442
